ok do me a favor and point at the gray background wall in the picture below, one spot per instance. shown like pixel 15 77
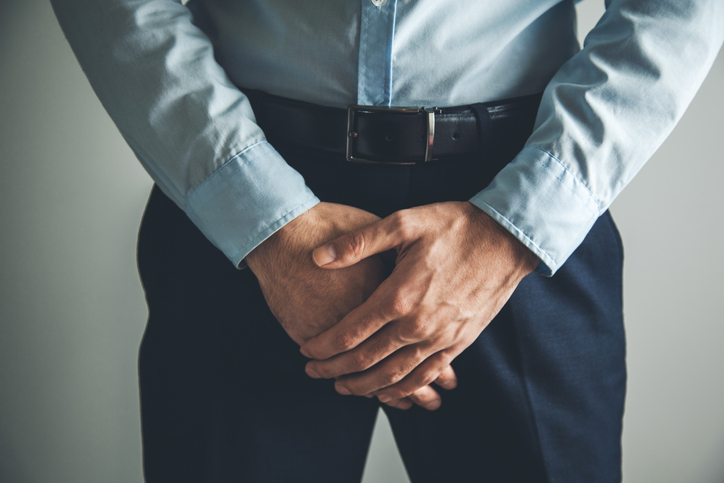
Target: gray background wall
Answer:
pixel 72 310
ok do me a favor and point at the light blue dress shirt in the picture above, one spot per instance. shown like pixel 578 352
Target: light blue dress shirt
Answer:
pixel 168 75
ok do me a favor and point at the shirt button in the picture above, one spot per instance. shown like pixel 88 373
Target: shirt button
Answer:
pixel 378 3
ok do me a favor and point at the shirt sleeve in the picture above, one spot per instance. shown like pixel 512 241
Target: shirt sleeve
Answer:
pixel 602 117
pixel 191 128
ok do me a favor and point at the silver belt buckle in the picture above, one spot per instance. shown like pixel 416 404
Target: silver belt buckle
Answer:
pixel 352 133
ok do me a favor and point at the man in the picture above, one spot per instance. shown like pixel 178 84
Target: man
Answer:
pixel 488 182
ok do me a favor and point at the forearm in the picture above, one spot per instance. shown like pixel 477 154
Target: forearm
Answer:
pixel 190 127
pixel 601 118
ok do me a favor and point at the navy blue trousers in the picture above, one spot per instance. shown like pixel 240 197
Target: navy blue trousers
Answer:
pixel 224 396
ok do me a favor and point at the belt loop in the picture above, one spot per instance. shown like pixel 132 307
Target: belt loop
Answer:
pixel 485 127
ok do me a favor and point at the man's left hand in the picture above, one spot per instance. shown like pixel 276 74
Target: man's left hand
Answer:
pixel 455 269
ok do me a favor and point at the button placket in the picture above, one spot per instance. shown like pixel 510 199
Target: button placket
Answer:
pixel 374 73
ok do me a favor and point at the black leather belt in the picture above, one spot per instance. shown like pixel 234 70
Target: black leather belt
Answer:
pixel 384 135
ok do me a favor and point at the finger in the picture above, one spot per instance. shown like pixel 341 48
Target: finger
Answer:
pixel 421 376
pixel 377 347
pixel 404 403
pixel 447 379
pixel 352 247
pixel 387 373
pixel 426 397
pixel 355 327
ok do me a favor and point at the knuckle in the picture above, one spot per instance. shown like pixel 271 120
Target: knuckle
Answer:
pixel 423 328
pixel 402 224
pixel 381 346
pixel 359 362
pixel 407 333
pixel 386 379
pixel 399 305
pixel 415 330
pixel 418 355
pixel 396 220
pixel 354 245
pixel 393 378
pixel 344 341
pixel 426 378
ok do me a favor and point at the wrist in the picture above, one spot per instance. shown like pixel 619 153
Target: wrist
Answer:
pixel 520 256
pixel 278 243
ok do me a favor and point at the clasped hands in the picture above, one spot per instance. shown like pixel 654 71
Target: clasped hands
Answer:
pixel 389 335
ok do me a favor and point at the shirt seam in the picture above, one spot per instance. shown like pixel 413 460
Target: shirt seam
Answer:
pixel 568 170
pixel 208 178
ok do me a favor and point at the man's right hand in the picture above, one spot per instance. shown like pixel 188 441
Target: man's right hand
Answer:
pixel 306 299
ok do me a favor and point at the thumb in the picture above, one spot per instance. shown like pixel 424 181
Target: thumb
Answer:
pixel 357 245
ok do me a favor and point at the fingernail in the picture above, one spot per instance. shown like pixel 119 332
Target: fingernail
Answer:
pixel 385 398
pixel 312 373
pixel 449 385
pixel 343 390
pixel 305 353
pixel 324 255
pixel 433 405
